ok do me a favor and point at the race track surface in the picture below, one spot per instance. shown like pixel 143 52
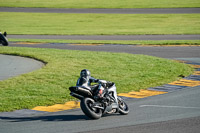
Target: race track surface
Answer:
pixel 12 66
pixel 171 109
pixel 159 51
pixel 174 109
pixel 177 111
pixel 109 37
pixel 105 11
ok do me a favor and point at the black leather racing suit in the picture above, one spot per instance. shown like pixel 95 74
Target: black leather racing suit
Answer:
pixel 86 82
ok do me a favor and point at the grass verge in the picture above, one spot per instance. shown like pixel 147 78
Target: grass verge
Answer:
pixel 49 85
pixel 99 24
pixel 101 3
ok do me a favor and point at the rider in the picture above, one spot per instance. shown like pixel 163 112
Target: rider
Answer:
pixel 85 80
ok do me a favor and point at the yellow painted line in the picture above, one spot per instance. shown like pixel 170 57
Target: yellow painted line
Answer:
pixel 87 44
pixel 181 61
pixel 195 66
pixel 75 104
pixel 141 93
pixel 196 73
pixel 184 45
pixel 185 82
pixel 59 107
pixel 30 43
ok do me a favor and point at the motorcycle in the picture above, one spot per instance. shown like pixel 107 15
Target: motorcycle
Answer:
pixel 3 39
pixel 93 106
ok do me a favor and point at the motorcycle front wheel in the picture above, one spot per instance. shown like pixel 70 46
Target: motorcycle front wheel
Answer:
pixel 123 107
pixel 89 110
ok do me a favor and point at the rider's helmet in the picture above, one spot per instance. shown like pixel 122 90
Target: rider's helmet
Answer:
pixel 85 73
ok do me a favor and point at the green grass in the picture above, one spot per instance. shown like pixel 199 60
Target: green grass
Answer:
pixel 99 24
pixel 134 42
pixel 101 3
pixel 49 85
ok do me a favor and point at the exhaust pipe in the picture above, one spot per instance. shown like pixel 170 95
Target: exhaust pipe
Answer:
pixel 81 91
pixel 76 95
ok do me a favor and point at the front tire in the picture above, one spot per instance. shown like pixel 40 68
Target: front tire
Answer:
pixel 88 110
pixel 123 107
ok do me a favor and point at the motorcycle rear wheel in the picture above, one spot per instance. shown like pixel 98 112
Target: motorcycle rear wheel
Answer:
pixel 3 40
pixel 123 107
pixel 88 110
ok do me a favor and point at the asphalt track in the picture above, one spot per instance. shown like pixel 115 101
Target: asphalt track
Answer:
pixel 177 111
pixel 180 114
pixel 164 52
pixel 105 11
pixel 12 66
pixel 172 112
pixel 108 37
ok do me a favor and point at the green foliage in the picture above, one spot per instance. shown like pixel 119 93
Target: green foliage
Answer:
pixel 49 85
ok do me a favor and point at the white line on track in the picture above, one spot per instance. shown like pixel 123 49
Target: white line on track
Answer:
pixel 164 106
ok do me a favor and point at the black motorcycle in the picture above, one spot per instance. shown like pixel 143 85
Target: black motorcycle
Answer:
pixel 3 39
pixel 93 106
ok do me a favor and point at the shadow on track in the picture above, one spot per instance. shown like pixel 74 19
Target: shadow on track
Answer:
pixel 47 118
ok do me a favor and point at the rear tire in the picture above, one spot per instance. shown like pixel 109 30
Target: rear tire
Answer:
pixel 123 107
pixel 86 106
pixel 3 40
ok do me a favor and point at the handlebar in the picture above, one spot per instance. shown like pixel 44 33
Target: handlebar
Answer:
pixel 106 84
